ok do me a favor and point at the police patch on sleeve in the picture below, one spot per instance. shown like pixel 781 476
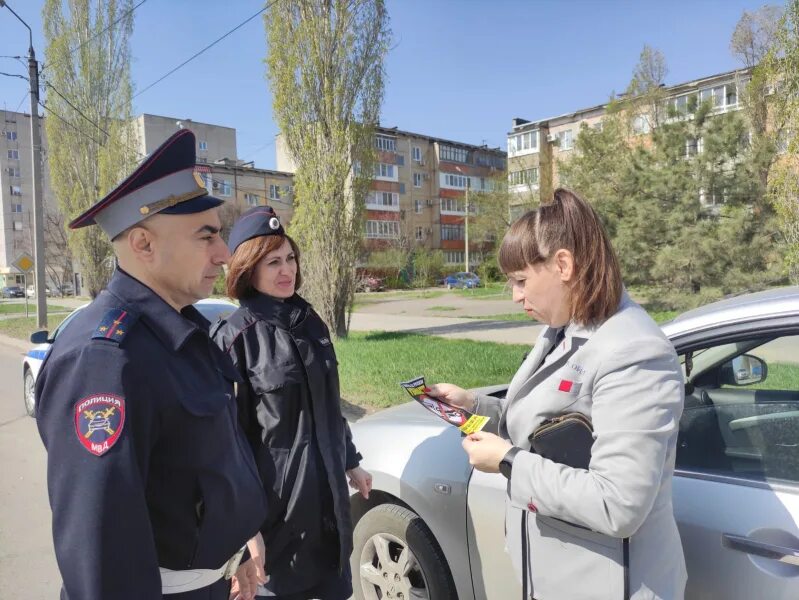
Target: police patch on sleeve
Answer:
pixel 99 419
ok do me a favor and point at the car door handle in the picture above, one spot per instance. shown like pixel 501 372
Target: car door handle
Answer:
pixel 785 555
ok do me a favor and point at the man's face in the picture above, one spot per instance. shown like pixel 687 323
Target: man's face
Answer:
pixel 188 255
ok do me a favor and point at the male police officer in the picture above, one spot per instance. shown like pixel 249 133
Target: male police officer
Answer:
pixel 153 488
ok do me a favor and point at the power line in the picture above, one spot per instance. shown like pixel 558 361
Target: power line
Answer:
pixel 209 46
pixel 96 35
pixel 14 75
pixel 68 124
pixel 76 109
pixel 19 104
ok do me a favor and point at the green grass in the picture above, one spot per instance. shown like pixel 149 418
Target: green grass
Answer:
pixel 780 376
pixel 516 316
pixel 661 316
pixel 9 309
pixel 371 365
pixel 22 327
pixel 442 308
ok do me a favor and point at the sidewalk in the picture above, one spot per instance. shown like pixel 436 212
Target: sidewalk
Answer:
pixel 503 332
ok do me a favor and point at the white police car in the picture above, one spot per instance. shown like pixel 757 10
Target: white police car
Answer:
pixel 211 309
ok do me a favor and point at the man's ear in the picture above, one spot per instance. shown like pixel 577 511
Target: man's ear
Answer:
pixel 141 243
pixel 564 262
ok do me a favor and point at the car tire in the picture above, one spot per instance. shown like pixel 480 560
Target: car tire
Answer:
pixel 28 392
pixel 396 553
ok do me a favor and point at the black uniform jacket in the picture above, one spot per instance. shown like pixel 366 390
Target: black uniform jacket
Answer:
pixel 290 409
pixel 146 465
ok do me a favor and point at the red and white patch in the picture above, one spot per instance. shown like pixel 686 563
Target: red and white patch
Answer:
pixel 99 420
pixel 565 385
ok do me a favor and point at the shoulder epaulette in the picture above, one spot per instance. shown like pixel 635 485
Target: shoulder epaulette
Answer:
pixel 215 327
pixel 115 325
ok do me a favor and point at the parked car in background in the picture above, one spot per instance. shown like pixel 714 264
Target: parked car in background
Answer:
pixel 67 289
pixel 12 291
pixel 433 526
pixel 211 309
pixel 370 284
pixel 31 291
pixel 463 279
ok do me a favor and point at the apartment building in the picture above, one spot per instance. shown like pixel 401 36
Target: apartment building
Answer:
pixel 16 193
pixel 225 176
pixel 536 147
pixel 417 196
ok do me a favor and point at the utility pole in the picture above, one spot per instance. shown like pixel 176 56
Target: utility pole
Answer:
pixel 38 209
pixel 466 228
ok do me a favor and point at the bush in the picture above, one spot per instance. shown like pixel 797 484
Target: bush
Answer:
pixel 427 267
pixel 488 270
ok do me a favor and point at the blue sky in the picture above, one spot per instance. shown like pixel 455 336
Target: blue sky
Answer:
pixel 459 69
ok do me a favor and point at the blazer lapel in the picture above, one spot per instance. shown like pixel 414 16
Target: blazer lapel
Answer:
pixel 531 363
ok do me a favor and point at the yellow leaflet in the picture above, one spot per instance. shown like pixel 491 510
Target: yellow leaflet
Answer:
pixel 475 423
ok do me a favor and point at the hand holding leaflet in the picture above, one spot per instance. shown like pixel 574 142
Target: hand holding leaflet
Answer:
pixel 464 420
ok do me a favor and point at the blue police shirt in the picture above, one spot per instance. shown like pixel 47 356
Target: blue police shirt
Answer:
pixel 146 465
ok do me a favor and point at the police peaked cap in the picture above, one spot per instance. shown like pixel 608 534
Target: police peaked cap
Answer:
pixel 165 182
pixel 256 222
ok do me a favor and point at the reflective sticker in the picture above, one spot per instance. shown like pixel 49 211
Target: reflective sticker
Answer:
pixel 99 420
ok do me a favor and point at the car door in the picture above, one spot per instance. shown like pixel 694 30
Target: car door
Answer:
pixel 736 490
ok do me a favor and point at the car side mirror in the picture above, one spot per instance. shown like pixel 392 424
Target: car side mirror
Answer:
pixel 744 370
pixel 40 337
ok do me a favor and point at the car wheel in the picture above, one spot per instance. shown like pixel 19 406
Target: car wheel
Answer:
pixel 396 556
pixel 29 392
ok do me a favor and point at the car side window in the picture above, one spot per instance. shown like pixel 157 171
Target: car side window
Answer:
pixel 741 415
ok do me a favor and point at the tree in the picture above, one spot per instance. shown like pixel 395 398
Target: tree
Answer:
pixel 325 69
pixel 755 33
pixel 646 91
pixel 58 255
pixel 87 75
pixel 780 71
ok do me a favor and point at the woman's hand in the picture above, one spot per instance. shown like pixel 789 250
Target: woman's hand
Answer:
pixel 452 394
pixel 361 480
pixel 485 450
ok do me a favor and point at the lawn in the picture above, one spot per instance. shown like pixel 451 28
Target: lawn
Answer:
pixel 371 365
pixel 488 290
pixel 22 327
pixel 780 376
pixel 10 309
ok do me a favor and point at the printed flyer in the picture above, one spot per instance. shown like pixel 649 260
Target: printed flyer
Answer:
pixel 462 419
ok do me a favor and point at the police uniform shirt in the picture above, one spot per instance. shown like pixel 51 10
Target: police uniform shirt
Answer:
pixel 146 466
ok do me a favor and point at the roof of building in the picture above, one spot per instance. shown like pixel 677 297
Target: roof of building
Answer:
pixel 397 131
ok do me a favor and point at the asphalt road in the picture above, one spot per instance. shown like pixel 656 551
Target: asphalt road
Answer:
pixel 27 562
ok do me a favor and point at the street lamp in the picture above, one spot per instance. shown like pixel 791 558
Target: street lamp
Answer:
pixel 36 149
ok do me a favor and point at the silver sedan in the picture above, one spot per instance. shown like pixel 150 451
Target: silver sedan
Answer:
pixel 433 527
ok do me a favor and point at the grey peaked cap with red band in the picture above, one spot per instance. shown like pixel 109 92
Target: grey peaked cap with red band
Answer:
pixel 164 182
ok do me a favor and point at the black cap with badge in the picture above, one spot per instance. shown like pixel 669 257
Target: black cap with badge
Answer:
pixel 256 222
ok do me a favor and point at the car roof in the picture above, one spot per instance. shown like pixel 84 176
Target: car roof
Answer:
pixel 777 302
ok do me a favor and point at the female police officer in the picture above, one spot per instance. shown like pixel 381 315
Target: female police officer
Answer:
pixel 602 356
pixel 289 407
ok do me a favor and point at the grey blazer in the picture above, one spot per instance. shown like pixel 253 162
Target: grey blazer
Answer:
pixel 625 376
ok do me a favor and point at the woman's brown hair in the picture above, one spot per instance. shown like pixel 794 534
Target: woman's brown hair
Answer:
pixel 247 256
pixel 569 223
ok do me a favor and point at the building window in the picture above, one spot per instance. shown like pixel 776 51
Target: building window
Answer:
pixel 452 232
pixel 203 145
pixel 13 171
pixel 417 180
pixel 251 199
pixel 418 206
pixel 453 154
pixel 523 142
pixel 417 154
pixel 13 155
pixel 11 136
pixel 17 225
pixel 274 191
pixel 524 177
pixel 16 190
pixel 453 257
pixel 382 229
pixel 640 125
pixel 455 181
pixel 384 170
pixel 16 208
pixel 694 146
pixel 388 144
pixel 453 205
pixel 383 200
pixel 419 234
pixel 223 187
pixel 565 140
